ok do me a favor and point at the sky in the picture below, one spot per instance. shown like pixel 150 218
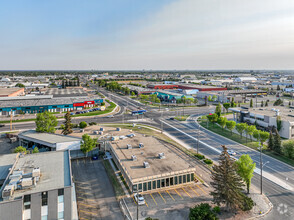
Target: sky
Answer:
pixel 152 34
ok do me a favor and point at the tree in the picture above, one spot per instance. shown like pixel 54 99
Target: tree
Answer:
pixel 240 127
pixel 266 103
pixel 83 124
pixel 212 118
pixel 20 149
pixel 157 100
pixel 102 104
pixel 132 93
pixel 288 148
pixel 214 97
pixel 218 110
pixel 231 125
pixel 20 85
pixel 246 130
pixel 87 144
pixel 250 130
pixel 245 168
pixel 195 101
pixel 251 103
pixel 222 121
pixel 263 137
pixel 277 142
pixel 35 150
pixel 233 104
pixel 67 124
pixel 46 122
pixel 256 134
pixel 279 123
pixel 227 106
pixel 209 98
pixel 271 143
pixel 261 103
pixel 202 212
pixel 278 102
pixel 226 182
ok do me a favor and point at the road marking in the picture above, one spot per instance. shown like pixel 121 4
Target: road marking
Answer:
pixel 134 199
pixel 91 206
pixel 179 194
pixel 170 195
pixel 201 189
pixel 83 218
pixel 91 213
pixel 79 192
pixel 186 192
pixel 92 200
pixel 153 198
pixel 194 191
pixel 146 203
pixel 161 197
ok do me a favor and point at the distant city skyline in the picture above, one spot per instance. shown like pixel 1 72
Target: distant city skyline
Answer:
pixel 136 35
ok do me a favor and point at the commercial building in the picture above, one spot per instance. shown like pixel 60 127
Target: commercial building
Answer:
pixel 186 87
pixel 36 186
pixel 169 96
pixel 68 92
pixel 11 92
pixel 55 142
pixel 266 118
pixel 148 164
pixel 163 86
pixel 245 80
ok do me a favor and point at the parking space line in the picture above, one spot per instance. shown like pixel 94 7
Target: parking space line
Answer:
pixel 92 200
pixel 83 218
pixel 186 192
pixel 134 199
pixel 91 213
pixel 91 206
pixel 178 193
pixel 170 195
pixel 201 189
pixel 161 197
pixel 84 193
pixel 146 203
pixel 153 198
pixel 194 191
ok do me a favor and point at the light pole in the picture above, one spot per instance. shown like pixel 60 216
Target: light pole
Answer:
pixel 198 136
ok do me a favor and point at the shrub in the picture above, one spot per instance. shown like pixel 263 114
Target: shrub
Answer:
pixel 61 127
pixel 83 124
pixel 74 125
pixel 92 123
pixel 199 156
pixel 216 209
pixel 202 212
pixel 208 161
pixel 247 203
pixel 103 104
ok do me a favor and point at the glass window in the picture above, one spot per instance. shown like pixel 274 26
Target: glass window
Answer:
pixel 180 179
pixel 184 179
pixel 140 187
pixel 176 180
pixel 60 192
pixel 27 201
pixel 154 184
pixel 188 177
pixel 167 181
pixel 44 217
pixel 192 176
pixel 171 181
pixel 60 215
pixel 149 185
pixel 144 186
pixel 60 199
pixel 158 183
pixel 162 183
pixel 44 198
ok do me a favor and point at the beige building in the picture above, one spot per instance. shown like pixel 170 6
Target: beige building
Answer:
pixel 11 92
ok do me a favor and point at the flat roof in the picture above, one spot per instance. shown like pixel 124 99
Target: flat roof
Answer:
pixel 6 162
pixel 171 164
pixel 47 137
pixel 65 92
pixel 54 167
pixel 8 91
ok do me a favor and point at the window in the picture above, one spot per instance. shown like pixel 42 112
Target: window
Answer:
pixel 162 183
pixel 140 187
pixel 149 185
pixel 158 183
pixel 184 179
pixel 180 179
pixel 167 181
pixel 60 215
pixel 192 176
pixel 176 180
pixel 144 186
pixel 154 184
pixel 60 195
pixel 27 201
pixel 188 177
pixel 44 217
pixel 44 198
pixel 171 180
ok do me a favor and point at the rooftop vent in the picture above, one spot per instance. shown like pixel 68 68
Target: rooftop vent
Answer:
pixel 101 132
pixel 101 129
pixel 161 156
pixel 141 145
pixel 146 165
pixel 129 146
pixel 118 129
pixel 7 191
pixel 95 132
pixel 134 157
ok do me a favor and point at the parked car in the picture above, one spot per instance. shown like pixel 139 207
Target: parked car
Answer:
pixel 1 125
pixel 139 199
pixel 72 113
pixel 110 116
pixel 171 118
pixel 231 152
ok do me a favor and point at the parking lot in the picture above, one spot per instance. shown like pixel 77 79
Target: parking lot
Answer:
pixel 95 196
pixel 172 203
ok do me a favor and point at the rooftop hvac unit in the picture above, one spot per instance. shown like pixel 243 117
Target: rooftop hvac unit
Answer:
pixel 81 130
pixel 36 172
pixel 129 146
pixel 141 145
pixel 115 138
pixel 161 156
pixel 95 132
pixel 13 176
pixel 146 165
pixel 101 129
pixel 101 132
pixel 118 129
pixel 7 191
pixel 25 182
pixel 134 157
pixel 17 172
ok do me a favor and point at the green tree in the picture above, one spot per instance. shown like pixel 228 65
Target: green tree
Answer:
pixel 212 118
pixel 218 110
pixel 266 103
pixel 102 104
pixel 256 134
pixel 214 98
pixel 240 127
pixel 20 149
pixel 233 104
pixel 231 125
pixel 251 103
pixel 35 150
pixel 245 168
pixel 246 130
pixel 132 93
pixel 279 123
pixel 46 122
pixel 227 106
pixel 288 148
pixel 277 142
pixel 83 124
pixel 226 183
pixel 88 144
pixel 20 85
pixel 261 103
pixel 157 100
pixel 67 124
pixel 250 130
pixel 209 98
pixel 222 121
pixel 202 212
pixel 195 101
pixel 263 137
pixel 271 143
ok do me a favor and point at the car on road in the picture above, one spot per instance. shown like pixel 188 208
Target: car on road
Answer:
pixel 1 125
pixel 72 113
pixel 139 199
pixel 171 118
pixel 110 116
pixel 231 152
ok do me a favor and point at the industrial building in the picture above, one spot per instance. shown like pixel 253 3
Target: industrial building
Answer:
pixel 11 92
pixel 37 104
pixel 169 96
pixel 186 87
pixel 148 164
pixel 36 186
pixel 53 142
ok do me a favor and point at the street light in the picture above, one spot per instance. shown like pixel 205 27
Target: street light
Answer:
pixel 198 137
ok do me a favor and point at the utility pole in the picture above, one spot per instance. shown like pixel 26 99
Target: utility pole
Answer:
pixel 198 138
pixel 260 169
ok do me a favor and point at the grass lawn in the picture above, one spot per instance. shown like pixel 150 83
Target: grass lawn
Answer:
pixel 116 185
pixel 252 144
pixel 182 118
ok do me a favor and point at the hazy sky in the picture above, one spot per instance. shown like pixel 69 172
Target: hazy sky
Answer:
pixel 150 34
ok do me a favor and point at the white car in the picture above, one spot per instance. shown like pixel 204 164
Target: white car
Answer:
pixel 110 116
pixel 139 199
pixel 231 152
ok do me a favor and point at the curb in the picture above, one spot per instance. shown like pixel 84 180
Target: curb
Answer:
pixel 267 212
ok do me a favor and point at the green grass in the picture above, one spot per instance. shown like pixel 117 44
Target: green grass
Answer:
pixel 107 110
pixel 182 118
pixel 115 183
pixel 20 120
pixel 280 157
